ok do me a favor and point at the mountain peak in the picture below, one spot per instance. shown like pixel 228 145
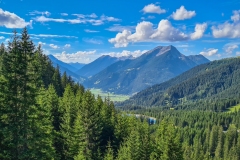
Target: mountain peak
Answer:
pixel 160 50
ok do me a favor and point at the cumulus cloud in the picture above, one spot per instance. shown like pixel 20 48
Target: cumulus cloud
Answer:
pixel 165 32
pixel 227 29
pixel 238 53
pixel 1 37
pixel 229 48
pixel 126 53
pixel 182 14
pixel 152 8
pixel 236 16
pixel 199 31
pixel 121 39
pixel 67 46
pixel 11 20
pixel 53 46
pixel 79 56
pixel 92 40
pixel 209 52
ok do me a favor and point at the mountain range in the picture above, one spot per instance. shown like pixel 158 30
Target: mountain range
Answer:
pixel 133 75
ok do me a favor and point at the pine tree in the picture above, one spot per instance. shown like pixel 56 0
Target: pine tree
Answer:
pixel 91 119
pixel 67 105
pixel 42 127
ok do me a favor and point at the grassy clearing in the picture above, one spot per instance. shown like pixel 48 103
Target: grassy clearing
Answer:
pixel 234 108
pixel 113 97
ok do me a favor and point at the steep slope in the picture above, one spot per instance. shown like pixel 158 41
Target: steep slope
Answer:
pixel 64 67
pixel 77 65
pixel 96 66
pixel 215 80
pixel 131 76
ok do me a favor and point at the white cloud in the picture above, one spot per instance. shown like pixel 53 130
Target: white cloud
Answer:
pixel 52 36
pixel 39 12
pixel 81 19
pixel 119 28
pixel 92 40
pixel 228 30
pixel 90 31
pixel 93 15
pixel 229 48
pixel 199 31
pixel 209 52
pixel 67 46
pixel 1 37
pixel 152 8
pixel 238 53
pixel 182 14
pixel 60 20
pixel 121 39
pixel 145 32
pixel 236 16
pixel 11 20
pixel 166 32
pixel 64 14
pixel 53 46
pixel 110 19
pixel 126 53
pixel 79 56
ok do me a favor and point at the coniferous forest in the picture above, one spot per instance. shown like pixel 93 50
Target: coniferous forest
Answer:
pixel 46 115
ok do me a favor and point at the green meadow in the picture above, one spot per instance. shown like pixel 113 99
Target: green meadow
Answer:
pixel 113 97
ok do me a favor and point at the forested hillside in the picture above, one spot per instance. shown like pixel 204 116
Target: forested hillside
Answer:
pixel 45 115
pixel 214 81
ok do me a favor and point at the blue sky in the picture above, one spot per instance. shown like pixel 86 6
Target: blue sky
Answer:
pixel 81 31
